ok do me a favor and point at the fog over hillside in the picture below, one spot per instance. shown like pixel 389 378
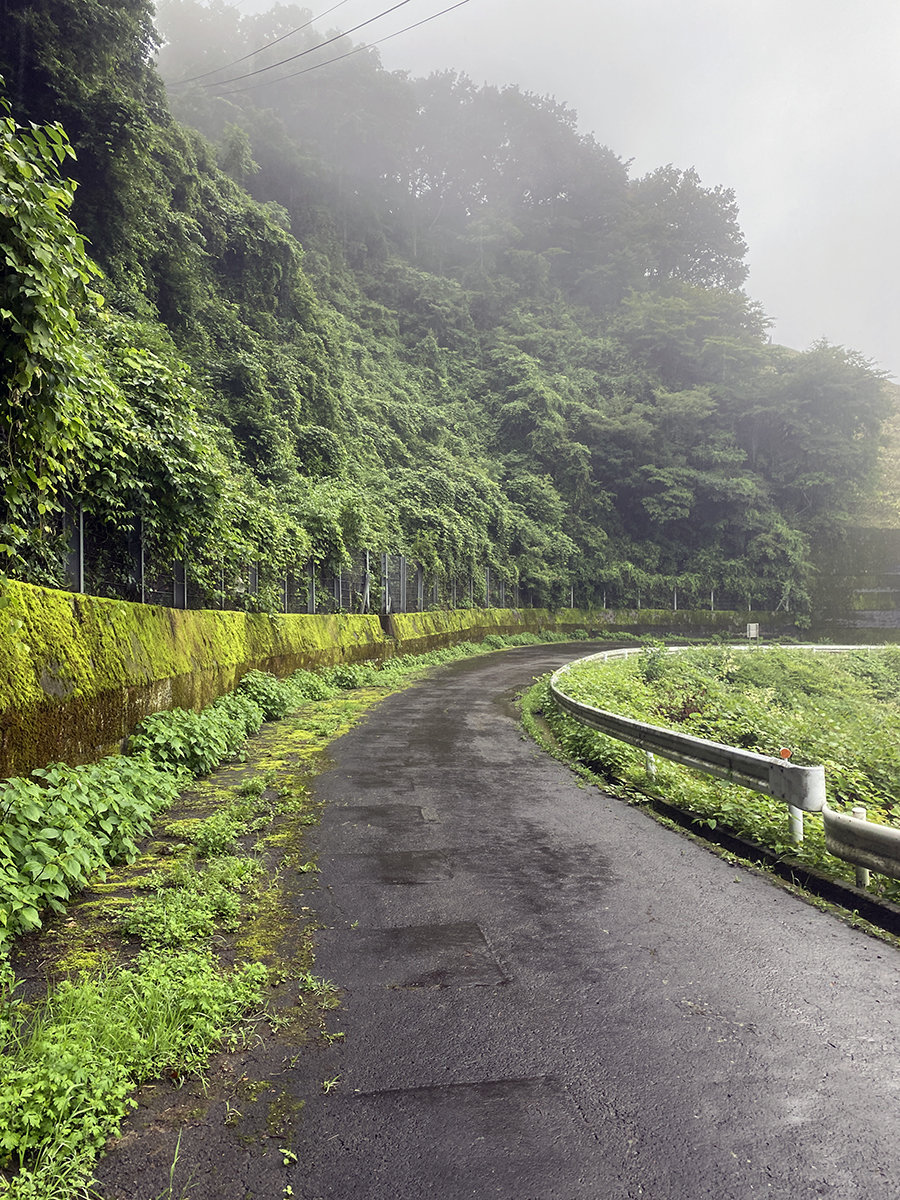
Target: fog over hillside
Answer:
pixel 792 105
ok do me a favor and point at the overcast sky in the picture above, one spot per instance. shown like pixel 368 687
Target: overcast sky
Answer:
pixel 792 103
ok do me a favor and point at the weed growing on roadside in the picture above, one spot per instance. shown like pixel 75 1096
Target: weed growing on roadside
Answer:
pixel 69 1064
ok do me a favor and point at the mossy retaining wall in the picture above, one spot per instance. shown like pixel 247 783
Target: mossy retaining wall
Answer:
pixel 77 673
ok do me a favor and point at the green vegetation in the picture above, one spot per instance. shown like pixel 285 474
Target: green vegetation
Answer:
pixel 69 1063
pixel 65 823
pixel 840 710
pixel 494 347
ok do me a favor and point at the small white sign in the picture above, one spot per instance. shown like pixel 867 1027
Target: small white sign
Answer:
pixel 753 630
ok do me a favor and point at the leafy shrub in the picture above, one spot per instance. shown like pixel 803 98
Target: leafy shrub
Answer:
pixel 63 823
pixel 308 685
pixel 195 741
pixel 349 675
pixel 496 641
pixel 267 692
pixel 240 707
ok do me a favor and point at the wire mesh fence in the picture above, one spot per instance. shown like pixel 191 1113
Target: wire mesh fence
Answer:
pixel 129 565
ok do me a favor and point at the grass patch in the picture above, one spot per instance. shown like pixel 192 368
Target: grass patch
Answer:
pixel 72 1061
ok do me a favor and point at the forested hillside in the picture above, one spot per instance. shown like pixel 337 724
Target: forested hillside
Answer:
pixel 362 310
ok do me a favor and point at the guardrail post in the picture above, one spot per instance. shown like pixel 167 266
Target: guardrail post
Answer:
pixel 862 873
pixel 795 824
pixel 651 764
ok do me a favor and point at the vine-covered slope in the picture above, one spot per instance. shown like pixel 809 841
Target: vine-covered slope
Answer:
pixel 360 309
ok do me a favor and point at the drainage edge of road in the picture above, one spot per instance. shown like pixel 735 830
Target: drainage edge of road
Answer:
pixel 876 910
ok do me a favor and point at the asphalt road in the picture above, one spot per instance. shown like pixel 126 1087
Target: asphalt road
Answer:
pixel 548 996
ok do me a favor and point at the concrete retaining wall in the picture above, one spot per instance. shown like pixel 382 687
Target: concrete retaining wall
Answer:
pixel 77 673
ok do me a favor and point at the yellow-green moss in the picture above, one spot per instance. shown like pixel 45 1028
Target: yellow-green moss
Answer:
pixel 77 673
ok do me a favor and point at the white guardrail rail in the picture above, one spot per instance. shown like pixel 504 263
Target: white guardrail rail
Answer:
pixel 850 837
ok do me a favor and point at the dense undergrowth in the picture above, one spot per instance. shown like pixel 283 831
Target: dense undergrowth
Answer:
pixel 70 1063
pixel 840 710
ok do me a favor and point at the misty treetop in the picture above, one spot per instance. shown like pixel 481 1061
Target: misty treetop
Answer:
pixel 354 308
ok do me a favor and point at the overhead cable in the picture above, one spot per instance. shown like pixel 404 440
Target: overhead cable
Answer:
pixel 311 49
pixel 349 54
pixel 259 49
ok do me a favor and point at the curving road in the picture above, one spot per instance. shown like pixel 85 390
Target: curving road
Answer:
pixel 547 995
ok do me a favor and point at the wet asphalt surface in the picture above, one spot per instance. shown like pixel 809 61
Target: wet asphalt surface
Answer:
pixel 548 996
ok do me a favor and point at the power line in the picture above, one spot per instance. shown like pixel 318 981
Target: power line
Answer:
pixel 349 54
pixel 236 62
pixel 321 45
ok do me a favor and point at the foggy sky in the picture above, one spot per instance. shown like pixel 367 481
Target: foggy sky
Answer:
pixel 792 103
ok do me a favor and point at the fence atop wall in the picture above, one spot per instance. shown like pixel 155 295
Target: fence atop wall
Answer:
pixel 130 567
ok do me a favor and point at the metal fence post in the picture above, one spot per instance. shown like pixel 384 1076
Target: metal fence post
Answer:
pixel 311 587
pixel 136 554
pixel 487 587
pixel 403 582
pixel 365 601
pixel 420 588
pixel 75 558
pixel 385 585
pixel 179 584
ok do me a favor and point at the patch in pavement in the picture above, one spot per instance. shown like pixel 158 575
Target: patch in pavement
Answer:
pixel 444 955
pixel 507 1137
pixel 414 956
pixel 408 866
pixel 393 817
pixel 414 866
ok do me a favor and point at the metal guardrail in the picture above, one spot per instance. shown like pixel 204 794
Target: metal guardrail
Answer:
pixel 868 846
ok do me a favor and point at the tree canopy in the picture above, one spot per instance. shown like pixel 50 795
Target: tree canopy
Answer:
pixel 354 308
